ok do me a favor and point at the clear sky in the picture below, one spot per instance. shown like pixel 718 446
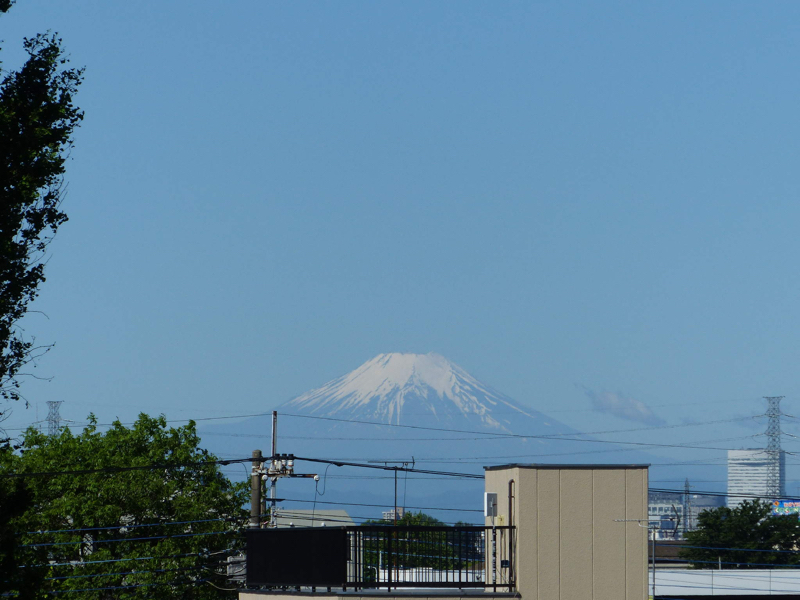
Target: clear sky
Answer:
pixel 575 202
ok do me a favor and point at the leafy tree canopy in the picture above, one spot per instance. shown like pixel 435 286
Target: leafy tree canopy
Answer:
pixel 409 518
pixel 160 532
pixel 747 536
pixel 37 118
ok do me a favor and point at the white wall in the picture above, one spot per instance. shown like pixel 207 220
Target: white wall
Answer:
pixel 727 582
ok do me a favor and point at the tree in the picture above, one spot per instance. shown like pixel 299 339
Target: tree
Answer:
pixel 37 119
pixel 139 512
pixel 413 545
pixel 747 536
pixel 409 518
pixel 15 574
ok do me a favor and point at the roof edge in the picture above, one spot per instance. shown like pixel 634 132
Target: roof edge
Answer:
pixel 563 466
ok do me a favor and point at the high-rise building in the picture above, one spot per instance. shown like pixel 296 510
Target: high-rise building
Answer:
pixel 748 475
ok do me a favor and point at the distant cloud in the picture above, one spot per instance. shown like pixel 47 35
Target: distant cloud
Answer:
pixel 623 407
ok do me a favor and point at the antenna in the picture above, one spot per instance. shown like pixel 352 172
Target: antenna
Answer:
pixel 774 479
pixel 53 417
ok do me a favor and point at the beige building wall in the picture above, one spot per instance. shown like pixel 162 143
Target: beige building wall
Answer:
pixel 577 534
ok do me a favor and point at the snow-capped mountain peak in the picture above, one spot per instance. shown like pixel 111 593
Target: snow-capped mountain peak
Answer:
pixel 396 387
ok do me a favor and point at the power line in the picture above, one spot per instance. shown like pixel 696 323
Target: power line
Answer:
pixel 89 575
pixel 482 435
pixel 476 459
pixel 509 435
pixel 139 539
pixel 109 470
pixel 384 506
pixel 119 526
pixel 127 587
pixel 766 497
pixel 112 560
pixel 340 463
pixel 288 512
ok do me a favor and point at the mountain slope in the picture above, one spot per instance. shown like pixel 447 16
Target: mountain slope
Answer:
pixel 420 408
pixel 405 389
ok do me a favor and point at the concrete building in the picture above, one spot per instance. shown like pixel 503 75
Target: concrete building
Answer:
pixel 748 472
pixel 560 532
pixel 389 515
pixel 581 530
pixel 666 509
pixel 301 517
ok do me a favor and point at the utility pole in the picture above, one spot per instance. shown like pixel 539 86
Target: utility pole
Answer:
pixel 651 527
pixel 273 488
pixel 403 465
pixel 774 479
pixel 686 508
pixel 280 465
pixel 255 490
pixel 53 417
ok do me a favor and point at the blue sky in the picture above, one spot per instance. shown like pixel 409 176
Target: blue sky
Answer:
pixel 572 201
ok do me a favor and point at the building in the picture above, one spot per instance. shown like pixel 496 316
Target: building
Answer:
pixel 300 517
pixel 581 530
pixel 748 473
pixel 666 509
pixel 388 515
pixel 552 532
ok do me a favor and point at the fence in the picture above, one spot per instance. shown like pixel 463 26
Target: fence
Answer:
pixel 382 557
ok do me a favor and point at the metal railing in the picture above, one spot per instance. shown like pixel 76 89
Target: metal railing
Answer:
pixel 381 556
pixel 429 557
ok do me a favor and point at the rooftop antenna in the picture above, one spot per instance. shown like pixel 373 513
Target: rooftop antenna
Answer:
pixel 774 447
pixel 53 417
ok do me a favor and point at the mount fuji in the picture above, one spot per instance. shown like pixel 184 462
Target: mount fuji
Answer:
pixel 419 389
pixel 421 410
pixel 417 409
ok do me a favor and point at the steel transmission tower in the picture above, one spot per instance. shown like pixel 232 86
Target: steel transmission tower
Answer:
pixel 774 481
pixel 53 417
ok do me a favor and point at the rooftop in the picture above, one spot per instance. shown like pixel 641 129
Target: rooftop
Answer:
pixel 561 467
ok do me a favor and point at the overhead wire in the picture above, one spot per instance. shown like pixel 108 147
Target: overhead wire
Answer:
pixel 125 587
pixel 121 526
pixel 139 539
pixel 509 435
pixel 110 470
pixel 113 560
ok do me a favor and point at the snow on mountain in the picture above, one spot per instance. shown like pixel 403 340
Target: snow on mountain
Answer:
pixel 456 423
pixel 404 388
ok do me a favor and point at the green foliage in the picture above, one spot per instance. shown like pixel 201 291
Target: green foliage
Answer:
pixel 409 518
pixel 440 548
pixel 725 535
pixel 15 498
pixel 37 118
pixel 183 488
